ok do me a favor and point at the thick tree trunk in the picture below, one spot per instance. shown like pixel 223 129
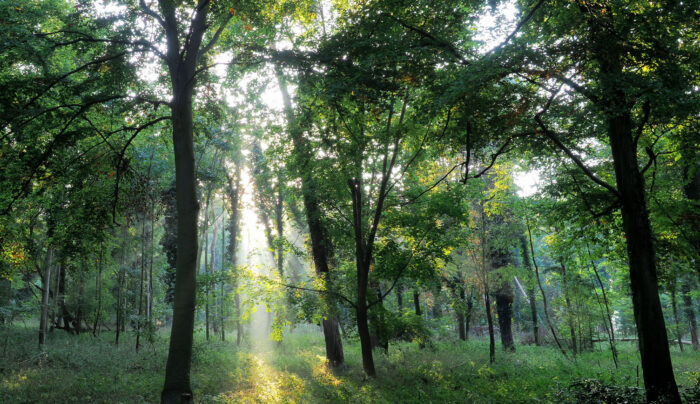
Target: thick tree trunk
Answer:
pixel 659 380
pixel 177 371
pixel 461 326
pixel 416 302
pixel 504 307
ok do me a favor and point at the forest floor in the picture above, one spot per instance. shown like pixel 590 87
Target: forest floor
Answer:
pixel 85 369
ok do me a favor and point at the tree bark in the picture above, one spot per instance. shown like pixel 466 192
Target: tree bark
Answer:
pixel 44 321
pixel 609 324
pixel 234 193
pixel 489 320
pixel 674 307
pixel 416 302
pixel 569 309
pixel 504 307
pixel 320 242
pixel 461 326
pixel 181 66
pixel 690 312
pixel 98 287
pixel 544 296
pixel 530 289
pixel 659 381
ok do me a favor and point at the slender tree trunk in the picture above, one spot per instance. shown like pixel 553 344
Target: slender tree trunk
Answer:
pixel 120 280
pixel 609 324
pixel 363 325
pixel 234 192
pixel 320 243
pixel 279 223
pixel 44 321
pixel 690 312
pixel 489 320
pixel 530 289
pixel 221 284
pixel 468 317
pixel 98 287
pixel 206 270
pixel 674 306
pixel 362 263
pixel 569 309
pixel 416 302
pixel 544 296
pixel 212 271
pixel 399 297
pixel 79 310
pixel 149 307
pixel 141 279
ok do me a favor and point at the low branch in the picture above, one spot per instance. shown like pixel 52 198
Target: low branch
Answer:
pixel 340 295
pixel 552 136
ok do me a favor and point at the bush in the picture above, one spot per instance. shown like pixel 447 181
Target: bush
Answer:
pixel 592 391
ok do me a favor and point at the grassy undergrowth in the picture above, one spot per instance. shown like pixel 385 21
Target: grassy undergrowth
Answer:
pixel 84 369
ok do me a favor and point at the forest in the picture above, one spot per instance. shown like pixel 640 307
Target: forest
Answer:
pixel 349 201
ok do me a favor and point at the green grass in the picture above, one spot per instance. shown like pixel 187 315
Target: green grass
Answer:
pixel 86 369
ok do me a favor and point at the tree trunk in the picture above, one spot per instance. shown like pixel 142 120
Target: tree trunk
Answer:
pixel 569 309
pixel 416 302
pixel 504 307
pixel 120 280
pixel 320 242
pixel 489 320
pixel 44 321
pixel 234 193
pixel 279 223
pixel 674 306
pixel 544 296
pixel 609 324
pixel 221 284
pixel 461 326
pixel 690 311
pixel 659 381
pixel 363 326
pixel 468 317
pixel 530 289
pixel 177 371
pixel 141 279
pixel 98 286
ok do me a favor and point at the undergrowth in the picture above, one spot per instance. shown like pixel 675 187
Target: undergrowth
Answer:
pixel 84 369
